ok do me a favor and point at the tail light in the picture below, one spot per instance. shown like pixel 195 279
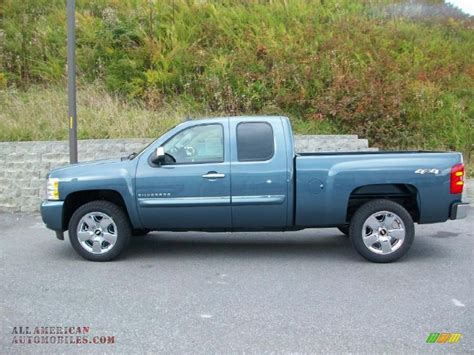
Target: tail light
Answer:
pixel 457 179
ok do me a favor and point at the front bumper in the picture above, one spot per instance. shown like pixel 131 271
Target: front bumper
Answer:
pixel 459 210
pixel 52 214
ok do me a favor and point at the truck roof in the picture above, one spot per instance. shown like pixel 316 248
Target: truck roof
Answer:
pixel 238 118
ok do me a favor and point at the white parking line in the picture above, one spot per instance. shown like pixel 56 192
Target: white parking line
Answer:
pixel 458 303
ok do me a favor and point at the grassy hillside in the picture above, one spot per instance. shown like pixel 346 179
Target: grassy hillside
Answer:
pixel 400 74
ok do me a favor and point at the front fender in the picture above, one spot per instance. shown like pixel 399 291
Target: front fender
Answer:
pixel 116 175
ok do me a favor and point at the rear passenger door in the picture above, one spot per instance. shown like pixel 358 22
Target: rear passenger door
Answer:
pixel 259 174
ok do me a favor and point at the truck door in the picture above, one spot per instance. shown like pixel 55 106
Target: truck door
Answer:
pixel 259 173
pixel 192 189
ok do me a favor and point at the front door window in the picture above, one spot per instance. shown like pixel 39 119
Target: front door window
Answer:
pixel 198 144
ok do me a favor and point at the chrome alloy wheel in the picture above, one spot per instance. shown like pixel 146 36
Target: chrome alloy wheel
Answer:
pixel 97 232
pixel 383 232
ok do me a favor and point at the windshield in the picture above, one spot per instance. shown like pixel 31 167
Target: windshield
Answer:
pixel 149 144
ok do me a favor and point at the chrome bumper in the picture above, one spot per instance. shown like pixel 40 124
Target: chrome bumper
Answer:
pixel 459 210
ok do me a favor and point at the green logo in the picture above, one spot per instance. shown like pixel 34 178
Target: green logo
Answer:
pixel 441 338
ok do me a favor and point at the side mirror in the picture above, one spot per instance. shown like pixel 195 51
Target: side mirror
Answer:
pixel 159 157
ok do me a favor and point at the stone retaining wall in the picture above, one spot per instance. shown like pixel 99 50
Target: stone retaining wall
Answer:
pixel 25 165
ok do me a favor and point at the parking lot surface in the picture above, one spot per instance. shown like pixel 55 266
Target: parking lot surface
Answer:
pixel 306 291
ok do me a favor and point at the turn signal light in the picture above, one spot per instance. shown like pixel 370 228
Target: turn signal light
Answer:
pixel 52 189
pixel 457 179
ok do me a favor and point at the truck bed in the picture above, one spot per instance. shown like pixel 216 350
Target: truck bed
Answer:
pixel 326 181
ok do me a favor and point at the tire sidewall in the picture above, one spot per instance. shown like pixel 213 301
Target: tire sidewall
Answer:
pixel 361 215
pixel 120 219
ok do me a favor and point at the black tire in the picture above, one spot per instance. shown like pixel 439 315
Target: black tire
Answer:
pixel 140 232
pixel 367 210
pixel 118 216
pixel 344 229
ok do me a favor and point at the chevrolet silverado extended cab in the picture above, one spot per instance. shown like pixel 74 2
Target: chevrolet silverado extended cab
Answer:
pixel 242 173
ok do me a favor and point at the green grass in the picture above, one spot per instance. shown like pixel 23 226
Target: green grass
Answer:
pixel 41 114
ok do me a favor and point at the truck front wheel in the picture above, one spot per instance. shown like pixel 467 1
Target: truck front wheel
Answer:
pixel 99 230
pixel 382 231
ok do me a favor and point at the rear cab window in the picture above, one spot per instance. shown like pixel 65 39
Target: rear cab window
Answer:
pixel 255 141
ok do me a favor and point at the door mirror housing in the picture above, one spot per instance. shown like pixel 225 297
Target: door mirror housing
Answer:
pixel 159 157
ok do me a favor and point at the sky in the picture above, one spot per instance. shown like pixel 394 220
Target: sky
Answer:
pixel 465 5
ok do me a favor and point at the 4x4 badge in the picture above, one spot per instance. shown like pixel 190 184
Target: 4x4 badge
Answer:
pixel 427 171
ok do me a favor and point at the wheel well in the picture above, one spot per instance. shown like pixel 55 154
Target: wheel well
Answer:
pixel 77 199
pixel 403 194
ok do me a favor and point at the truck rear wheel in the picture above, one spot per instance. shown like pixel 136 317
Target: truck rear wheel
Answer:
pixel 382 231
pixel 99 230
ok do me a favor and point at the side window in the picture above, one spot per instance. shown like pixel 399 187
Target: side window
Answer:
pixel 198 144
pixel 255 141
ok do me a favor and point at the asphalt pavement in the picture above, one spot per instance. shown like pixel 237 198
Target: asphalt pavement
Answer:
pixel 295 292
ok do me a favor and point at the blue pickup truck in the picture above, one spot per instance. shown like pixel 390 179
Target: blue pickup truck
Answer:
pixel 242 173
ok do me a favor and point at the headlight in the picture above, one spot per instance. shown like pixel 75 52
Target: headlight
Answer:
pixel 52 188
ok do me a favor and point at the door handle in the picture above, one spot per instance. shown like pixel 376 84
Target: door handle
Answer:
pixel 213 175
